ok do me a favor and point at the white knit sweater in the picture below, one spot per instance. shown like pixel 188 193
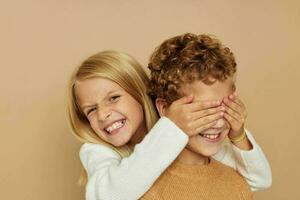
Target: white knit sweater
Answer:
pixel 113 178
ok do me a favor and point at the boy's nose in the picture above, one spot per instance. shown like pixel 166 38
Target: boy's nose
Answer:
pixel 220 123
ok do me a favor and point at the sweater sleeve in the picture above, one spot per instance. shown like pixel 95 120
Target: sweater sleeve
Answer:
pixel 252 164
pixel 113 178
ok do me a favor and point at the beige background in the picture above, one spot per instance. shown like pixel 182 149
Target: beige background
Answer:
pixel 42 41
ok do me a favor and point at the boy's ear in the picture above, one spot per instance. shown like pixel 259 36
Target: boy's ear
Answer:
pixel 161 106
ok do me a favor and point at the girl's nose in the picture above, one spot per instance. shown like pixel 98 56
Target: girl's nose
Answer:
pixel 103 114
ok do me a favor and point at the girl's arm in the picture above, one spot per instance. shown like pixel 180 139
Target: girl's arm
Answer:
pixel 252 164
pixel 110 177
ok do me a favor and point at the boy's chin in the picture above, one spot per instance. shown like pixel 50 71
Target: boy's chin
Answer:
pixel 205 152
pixel 210 152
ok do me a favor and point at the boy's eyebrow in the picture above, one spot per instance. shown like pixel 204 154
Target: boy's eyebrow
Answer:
pixel 85 106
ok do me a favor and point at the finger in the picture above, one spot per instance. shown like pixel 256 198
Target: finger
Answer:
pixel 233 105
pixel 207 112
pixel 232 121
pixel 233 113
pixel 184 100
pixel 202 105
pixel 239 108
pixel 203 121
pixel 234 97
pixel 239 101
pixel 204 127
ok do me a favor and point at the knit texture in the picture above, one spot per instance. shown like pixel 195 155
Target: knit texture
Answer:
pixel 213 181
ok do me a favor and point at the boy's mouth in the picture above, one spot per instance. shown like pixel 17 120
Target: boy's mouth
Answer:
pixel 210 136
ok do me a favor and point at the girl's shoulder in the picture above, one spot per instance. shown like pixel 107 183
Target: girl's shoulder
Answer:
pixel 89 150
pixel 96 158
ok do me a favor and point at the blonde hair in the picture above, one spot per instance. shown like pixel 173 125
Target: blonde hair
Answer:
pixel 125 71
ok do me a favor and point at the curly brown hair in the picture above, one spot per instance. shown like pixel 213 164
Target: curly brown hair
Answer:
pixel 187 58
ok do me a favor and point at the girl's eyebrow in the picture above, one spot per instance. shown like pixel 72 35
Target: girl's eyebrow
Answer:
pixel 85 106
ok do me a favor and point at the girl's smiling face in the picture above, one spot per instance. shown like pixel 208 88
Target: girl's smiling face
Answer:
pixel 113 114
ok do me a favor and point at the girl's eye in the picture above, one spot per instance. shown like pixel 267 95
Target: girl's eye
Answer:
pixel 114 98
pixel 89 111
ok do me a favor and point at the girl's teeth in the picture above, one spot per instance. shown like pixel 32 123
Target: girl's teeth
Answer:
pixel 114 126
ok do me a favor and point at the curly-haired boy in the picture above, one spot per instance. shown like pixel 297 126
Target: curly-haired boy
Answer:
pixel 199 65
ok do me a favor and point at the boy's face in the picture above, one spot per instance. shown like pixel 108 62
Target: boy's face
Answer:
pixel 208 142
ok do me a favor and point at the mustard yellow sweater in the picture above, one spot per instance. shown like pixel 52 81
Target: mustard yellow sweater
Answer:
pixel 213 181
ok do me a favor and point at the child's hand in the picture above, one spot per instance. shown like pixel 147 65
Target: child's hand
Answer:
pixel 194 117
pixel 235 114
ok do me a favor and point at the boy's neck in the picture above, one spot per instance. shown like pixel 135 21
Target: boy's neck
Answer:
pixel 191 158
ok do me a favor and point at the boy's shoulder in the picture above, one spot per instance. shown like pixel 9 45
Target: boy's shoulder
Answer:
pixel 222 170
pixel 225 173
